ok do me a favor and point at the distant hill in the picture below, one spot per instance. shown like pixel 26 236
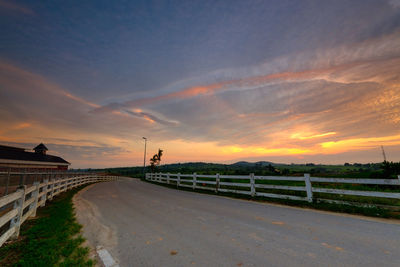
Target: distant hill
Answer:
pixel 253 164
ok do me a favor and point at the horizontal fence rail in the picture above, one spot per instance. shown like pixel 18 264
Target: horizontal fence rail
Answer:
pixel 17 207
pixel 278 186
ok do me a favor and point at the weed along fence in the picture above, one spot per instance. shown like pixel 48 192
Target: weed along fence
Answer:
pixel 18 206
pixel 364 192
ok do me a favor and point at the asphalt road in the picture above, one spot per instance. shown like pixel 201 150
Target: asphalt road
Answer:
pixel 142 224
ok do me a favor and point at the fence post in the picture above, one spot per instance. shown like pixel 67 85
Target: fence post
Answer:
pixel 51 181
pixel 22 178
pixel 179 180
pixel 59 184
pixel 252 186
pixel 45 192
pixel 167 178
pixel 194 180
pixel 66 182
pixel 69 181
pixel 18 204
pixel 35 194
pixel 53 176
pixel 216 183
pixel 8 181
pixel 308 187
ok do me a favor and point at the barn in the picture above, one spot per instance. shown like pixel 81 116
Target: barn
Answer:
pixel 15 158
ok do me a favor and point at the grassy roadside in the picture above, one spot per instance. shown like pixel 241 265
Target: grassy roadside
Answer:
pixel 343 208
pixel 50 239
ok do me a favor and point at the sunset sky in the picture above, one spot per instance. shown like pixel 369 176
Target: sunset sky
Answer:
pixel 213 81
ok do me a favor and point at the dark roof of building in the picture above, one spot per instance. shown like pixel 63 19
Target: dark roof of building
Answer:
pixel 16 153
pixel 40 147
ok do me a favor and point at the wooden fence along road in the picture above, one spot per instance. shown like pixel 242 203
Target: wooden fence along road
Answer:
pixel 257 185
pixel 16 207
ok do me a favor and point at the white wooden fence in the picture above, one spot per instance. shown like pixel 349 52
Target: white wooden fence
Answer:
pixel 26 200
pixel 214 183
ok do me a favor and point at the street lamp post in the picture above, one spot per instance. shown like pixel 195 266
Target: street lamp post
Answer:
pixel 144 159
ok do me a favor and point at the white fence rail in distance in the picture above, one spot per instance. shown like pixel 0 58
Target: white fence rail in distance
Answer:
pixel 213 183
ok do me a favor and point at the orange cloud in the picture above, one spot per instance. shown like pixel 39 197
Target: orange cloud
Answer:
pixel 302 137
pixel 261 80
pixel 148 119
pixel 264 151
pixel 78 99
pixel 23 125
pixel 360 143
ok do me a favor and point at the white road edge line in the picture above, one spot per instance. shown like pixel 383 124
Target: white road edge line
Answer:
pixel 106 257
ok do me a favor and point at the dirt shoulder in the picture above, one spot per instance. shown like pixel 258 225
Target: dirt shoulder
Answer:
pixel 95 233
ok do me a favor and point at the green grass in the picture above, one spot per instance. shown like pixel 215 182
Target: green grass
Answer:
pixel 51 239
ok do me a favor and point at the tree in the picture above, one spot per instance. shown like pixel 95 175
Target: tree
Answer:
pixel 390 168
pixel 155 160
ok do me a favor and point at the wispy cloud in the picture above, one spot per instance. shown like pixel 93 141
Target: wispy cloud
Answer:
pixel 150 117
pixel 343 87
pixel 299 101
pixel 345 64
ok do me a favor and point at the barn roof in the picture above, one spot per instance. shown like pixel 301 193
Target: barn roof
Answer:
pixel 16 153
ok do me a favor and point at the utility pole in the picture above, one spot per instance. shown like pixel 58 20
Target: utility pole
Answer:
pixel 144 159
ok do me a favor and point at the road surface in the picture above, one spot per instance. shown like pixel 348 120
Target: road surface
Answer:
pixel 142 224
